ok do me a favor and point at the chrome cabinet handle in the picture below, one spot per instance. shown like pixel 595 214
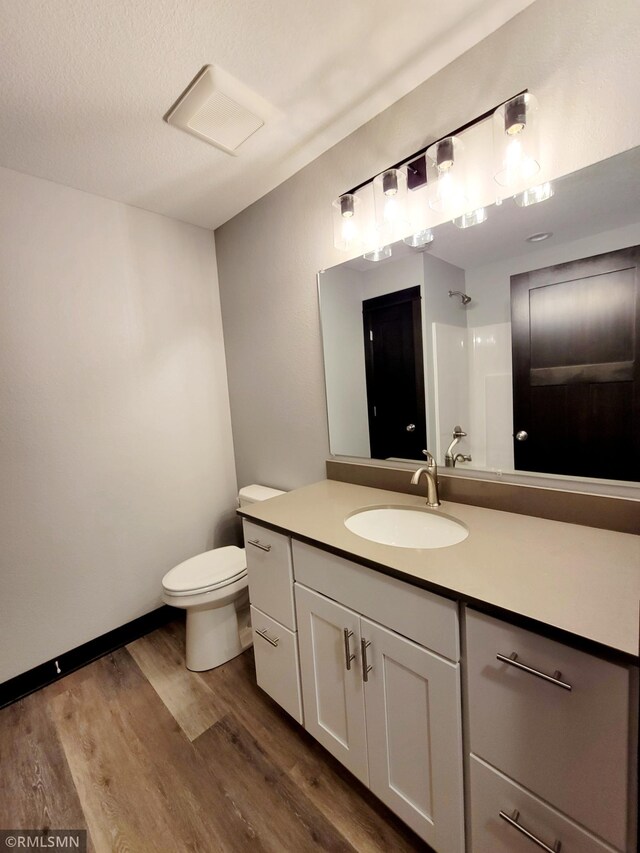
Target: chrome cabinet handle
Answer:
pixel 348 657
pixel 512 660
pixel 522 435
pixel 258 544
pixel 512 820
pixel 264 636
pixel 411 427
pixel 366 668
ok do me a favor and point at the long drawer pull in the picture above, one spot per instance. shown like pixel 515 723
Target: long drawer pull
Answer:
pixel 265 636
pixel 366 666
pixel 512 660
pixel 258 544
pixel 512 820
pixel 348 657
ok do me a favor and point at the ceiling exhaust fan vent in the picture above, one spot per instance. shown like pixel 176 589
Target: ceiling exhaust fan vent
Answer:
pixel 220 110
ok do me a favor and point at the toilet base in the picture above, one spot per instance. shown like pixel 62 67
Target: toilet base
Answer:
pixel 215 635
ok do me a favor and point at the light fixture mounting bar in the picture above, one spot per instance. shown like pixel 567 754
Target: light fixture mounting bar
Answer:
pixel 416 163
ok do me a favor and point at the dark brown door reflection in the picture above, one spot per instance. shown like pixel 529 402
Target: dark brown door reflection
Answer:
pixel 576 370
pixel 395 374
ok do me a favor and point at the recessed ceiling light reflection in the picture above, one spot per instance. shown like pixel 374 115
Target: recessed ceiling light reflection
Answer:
pixel 378 254
pixel 474 217
pixel 534 195
pixel 419 239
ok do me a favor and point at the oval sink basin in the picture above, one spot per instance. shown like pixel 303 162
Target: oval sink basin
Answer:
pixel 406 527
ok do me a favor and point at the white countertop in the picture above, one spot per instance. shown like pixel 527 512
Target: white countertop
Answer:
pixel 579 579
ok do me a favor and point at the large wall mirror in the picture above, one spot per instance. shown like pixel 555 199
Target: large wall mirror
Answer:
pixel 509 347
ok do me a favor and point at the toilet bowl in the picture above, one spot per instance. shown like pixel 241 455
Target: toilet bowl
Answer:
pixel 212 588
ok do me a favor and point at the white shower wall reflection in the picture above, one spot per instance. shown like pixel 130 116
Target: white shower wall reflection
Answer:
pixel 473 388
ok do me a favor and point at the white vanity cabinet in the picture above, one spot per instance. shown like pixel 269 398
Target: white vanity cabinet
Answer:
pixel 385 706
pixel 551 729
pixel 273 617
pixel 375 662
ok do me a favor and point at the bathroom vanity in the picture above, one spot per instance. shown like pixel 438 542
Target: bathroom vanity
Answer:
pixel 487 692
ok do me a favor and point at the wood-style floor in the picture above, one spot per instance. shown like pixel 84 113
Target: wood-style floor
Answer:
pixel 148 756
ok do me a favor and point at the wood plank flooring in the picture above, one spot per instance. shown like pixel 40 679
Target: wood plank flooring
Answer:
pixel 148 756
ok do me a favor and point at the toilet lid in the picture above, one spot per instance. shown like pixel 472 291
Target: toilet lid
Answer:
pixel 213 569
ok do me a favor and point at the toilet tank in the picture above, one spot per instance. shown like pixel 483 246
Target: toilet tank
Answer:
pixel 255 493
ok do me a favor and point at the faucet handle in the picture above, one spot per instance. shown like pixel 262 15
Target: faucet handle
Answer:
pixel 430 457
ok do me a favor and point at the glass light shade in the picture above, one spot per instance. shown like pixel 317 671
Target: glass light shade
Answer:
pixel 516 144
pixel 419 239
pixel 347 230
pixel 446 175
pixel 378 254
pixel 391 205
pixel 472 217
pixel 534 195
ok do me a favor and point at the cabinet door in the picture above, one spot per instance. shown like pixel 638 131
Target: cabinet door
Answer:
pixel 331 675
pixel 412 700
pixel 277 669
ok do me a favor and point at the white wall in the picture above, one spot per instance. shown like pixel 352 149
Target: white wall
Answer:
pixel 116 454
pixel 579 57
pixel 394 274
pixel 341 298
pixel 490 284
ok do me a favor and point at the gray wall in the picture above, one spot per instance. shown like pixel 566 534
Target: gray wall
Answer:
pixel 116 455
pixel 579 57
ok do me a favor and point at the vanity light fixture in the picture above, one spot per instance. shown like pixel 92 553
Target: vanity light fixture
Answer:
pixel 538 238
pixel 515 141
pixel 472 217
pixel 444 183
pixel 378 254
pixel 419 239
pixel 534 195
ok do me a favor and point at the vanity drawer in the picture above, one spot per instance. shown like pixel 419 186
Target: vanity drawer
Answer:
pixel 270 573
pixel 493 794
pixel 428 619
pixel 570 747
pixel 277 665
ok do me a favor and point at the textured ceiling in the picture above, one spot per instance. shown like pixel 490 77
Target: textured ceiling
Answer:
pixel 84 85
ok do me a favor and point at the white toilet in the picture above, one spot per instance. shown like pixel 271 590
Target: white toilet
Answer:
pixel 212 588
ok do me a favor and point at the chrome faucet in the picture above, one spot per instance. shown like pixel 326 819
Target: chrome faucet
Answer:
pixel 430 472
pixel 450 458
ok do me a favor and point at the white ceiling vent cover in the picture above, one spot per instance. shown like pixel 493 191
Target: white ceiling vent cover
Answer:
pixel 220 110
